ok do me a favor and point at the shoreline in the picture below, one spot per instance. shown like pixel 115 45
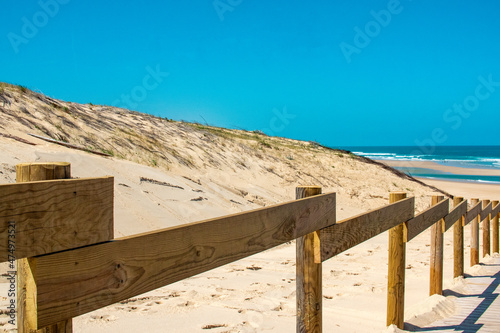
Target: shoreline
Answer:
pixel 466 189
pixel 444 168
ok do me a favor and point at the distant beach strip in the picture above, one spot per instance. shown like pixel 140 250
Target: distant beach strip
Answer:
pixel 471 157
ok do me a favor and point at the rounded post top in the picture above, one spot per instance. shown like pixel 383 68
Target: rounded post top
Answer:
pixel 396 196
pixel 307 191
pixel 457 200
pixel 48 164
pixel 27 172
pixel 437 198
pixel 308 186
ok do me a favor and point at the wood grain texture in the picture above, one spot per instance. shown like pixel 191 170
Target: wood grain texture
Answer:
pixel 494 227
pixel 458 241
pixel 455 215
pixel 486 227
pixel 56 215
pixel 26 298
pixel 355 230
pixel 26 286
pixel 473 212
pixel 436 260
pixel 77 281
pixel 485 212
pixel 495 208
pixel 309 296
pixel 32 172
pixel 396 273
pixel 426 219
pixel 474 238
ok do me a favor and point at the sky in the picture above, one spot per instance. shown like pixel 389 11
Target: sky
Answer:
pixel 343 73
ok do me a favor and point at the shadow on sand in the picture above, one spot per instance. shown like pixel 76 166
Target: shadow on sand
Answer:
pixel 468 325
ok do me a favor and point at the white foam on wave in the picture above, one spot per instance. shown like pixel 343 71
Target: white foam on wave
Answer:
pixel 463 161
pixel 487 181
pixel 373 154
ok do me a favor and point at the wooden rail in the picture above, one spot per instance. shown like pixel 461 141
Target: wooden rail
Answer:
pixel 56 215
pixel 84 269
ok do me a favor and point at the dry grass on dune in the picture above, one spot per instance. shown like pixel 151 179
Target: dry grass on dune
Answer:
pixel 180 147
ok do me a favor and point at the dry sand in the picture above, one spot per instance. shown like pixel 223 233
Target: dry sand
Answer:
pixel 232 171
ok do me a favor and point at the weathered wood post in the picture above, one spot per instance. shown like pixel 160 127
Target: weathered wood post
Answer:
pixel 474 239
pixel 26 321
pixel 486 231
pixel 396 274
pixel 494 226
pixel 436 262
pixel 458 242
pixel 309 280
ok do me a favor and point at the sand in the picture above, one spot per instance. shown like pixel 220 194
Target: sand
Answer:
pixel 232 172
pixel 258 293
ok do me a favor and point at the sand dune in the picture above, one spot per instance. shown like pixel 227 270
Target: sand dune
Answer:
pixel 169 173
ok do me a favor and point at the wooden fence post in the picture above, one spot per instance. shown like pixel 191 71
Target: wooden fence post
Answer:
pixel 27 312
pixel 309 280
pixel 486 231
pixel 396 274
pixel 436 265
pixel 494 226
pixel 458 242
pixel 474 239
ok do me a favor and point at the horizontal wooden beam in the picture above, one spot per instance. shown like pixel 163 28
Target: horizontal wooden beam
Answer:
pixel 495 211
pixel 55 215
pixel 353 231
pixel 473 213
pixel 454 215
pixel 75 282
pixel 485 212
pixel 426 219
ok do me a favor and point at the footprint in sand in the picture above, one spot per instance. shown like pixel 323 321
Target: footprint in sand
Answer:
pixel 212 326
pixel 254 268
pixel 336 273
pixel 279 307
pixel 236 270
pixel 105 318
pixel 186 304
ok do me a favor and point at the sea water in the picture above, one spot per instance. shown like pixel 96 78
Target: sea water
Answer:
pixel 487 157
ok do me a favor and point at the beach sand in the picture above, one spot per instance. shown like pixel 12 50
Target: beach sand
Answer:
pixel 257 294
pixel 233 171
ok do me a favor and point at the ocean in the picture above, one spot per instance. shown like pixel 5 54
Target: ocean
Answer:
pixel 478 157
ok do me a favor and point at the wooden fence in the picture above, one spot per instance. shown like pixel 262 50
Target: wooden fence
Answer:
pixel 69 262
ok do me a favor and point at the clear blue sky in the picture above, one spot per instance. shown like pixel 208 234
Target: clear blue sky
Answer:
pixel 343 73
